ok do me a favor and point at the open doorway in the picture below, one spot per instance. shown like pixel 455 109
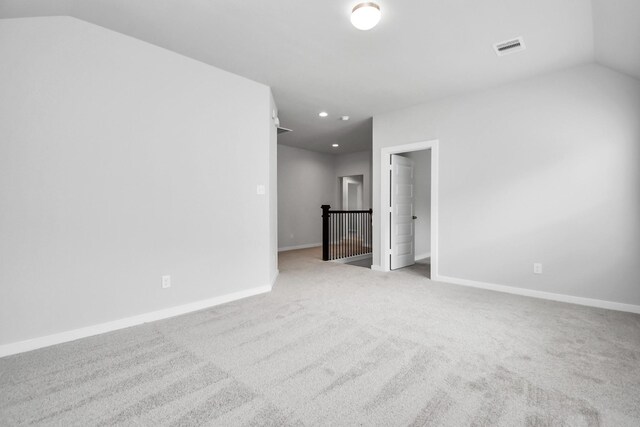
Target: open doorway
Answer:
pixel 408 231
pixel 350 191
pixel 411 202
pixel 354 221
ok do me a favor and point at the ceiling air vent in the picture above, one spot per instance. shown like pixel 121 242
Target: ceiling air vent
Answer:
pixel 509 46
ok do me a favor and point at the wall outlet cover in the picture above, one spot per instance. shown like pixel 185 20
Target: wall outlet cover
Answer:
pixel 166 282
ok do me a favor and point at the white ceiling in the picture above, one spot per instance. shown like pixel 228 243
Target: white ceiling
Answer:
pixel 314 60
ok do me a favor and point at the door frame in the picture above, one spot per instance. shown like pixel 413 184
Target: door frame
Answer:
pixel 385 189
pixel 344 182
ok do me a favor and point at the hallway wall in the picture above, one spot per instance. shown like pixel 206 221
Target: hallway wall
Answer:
pixel 358 163
pixel 307 180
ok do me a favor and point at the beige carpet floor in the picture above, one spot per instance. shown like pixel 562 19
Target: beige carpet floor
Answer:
pixel 335 344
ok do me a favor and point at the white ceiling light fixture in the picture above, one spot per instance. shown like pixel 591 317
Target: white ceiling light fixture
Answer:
pixel 365 16
pixel 344 118
pixel 335 145
pixel 323 114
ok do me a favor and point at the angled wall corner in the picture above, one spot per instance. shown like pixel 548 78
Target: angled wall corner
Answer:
pixel 617 35
pixel 122 162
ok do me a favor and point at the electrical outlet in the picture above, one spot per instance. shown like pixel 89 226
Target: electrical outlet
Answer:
pixel 166 282
pixel 537 268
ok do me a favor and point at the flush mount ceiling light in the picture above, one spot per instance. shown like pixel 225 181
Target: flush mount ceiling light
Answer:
pixel 323 114
pixel 344 118
pixel 365 16
pixel 335 145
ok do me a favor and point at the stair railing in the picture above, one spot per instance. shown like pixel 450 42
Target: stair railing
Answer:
pixel 345 233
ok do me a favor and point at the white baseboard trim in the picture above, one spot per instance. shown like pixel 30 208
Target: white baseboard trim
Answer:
pixel 590 302
pixel 274 278
pixel 67 336
pixel 375 267
pixel 293 248
pixel 423 256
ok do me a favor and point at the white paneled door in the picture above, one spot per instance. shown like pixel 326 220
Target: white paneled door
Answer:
pixel 402 229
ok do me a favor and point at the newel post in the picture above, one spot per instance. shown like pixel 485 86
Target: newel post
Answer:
pixel 325 232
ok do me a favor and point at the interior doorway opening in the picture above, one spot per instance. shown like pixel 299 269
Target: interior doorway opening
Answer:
pixel 350 192
pixel 410 215
pixel 409 200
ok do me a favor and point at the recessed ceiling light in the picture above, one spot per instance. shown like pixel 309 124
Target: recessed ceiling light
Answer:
pixel 344 118
pixel 323 114
pixel 335 145
pixel 365 16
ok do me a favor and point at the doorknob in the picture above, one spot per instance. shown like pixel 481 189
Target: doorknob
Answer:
pixel 415 217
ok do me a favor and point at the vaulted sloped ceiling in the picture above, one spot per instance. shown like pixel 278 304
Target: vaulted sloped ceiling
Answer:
pixel 314 60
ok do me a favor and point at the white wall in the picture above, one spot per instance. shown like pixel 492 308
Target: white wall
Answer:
pixel 121 162
pixel 545 170
pixel 351 197
pixel 617 34
pixel 422 201
pixel 305 182
pixel 308 179
pixel 350 164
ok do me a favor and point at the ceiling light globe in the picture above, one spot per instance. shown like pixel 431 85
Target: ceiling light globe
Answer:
pixel 365 16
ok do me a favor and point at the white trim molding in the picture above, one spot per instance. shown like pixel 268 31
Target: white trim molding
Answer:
pixel 379 268
pixel 423 256
pixel 67 336
pixel 590 302
pixel 274 278
pixel 293 248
